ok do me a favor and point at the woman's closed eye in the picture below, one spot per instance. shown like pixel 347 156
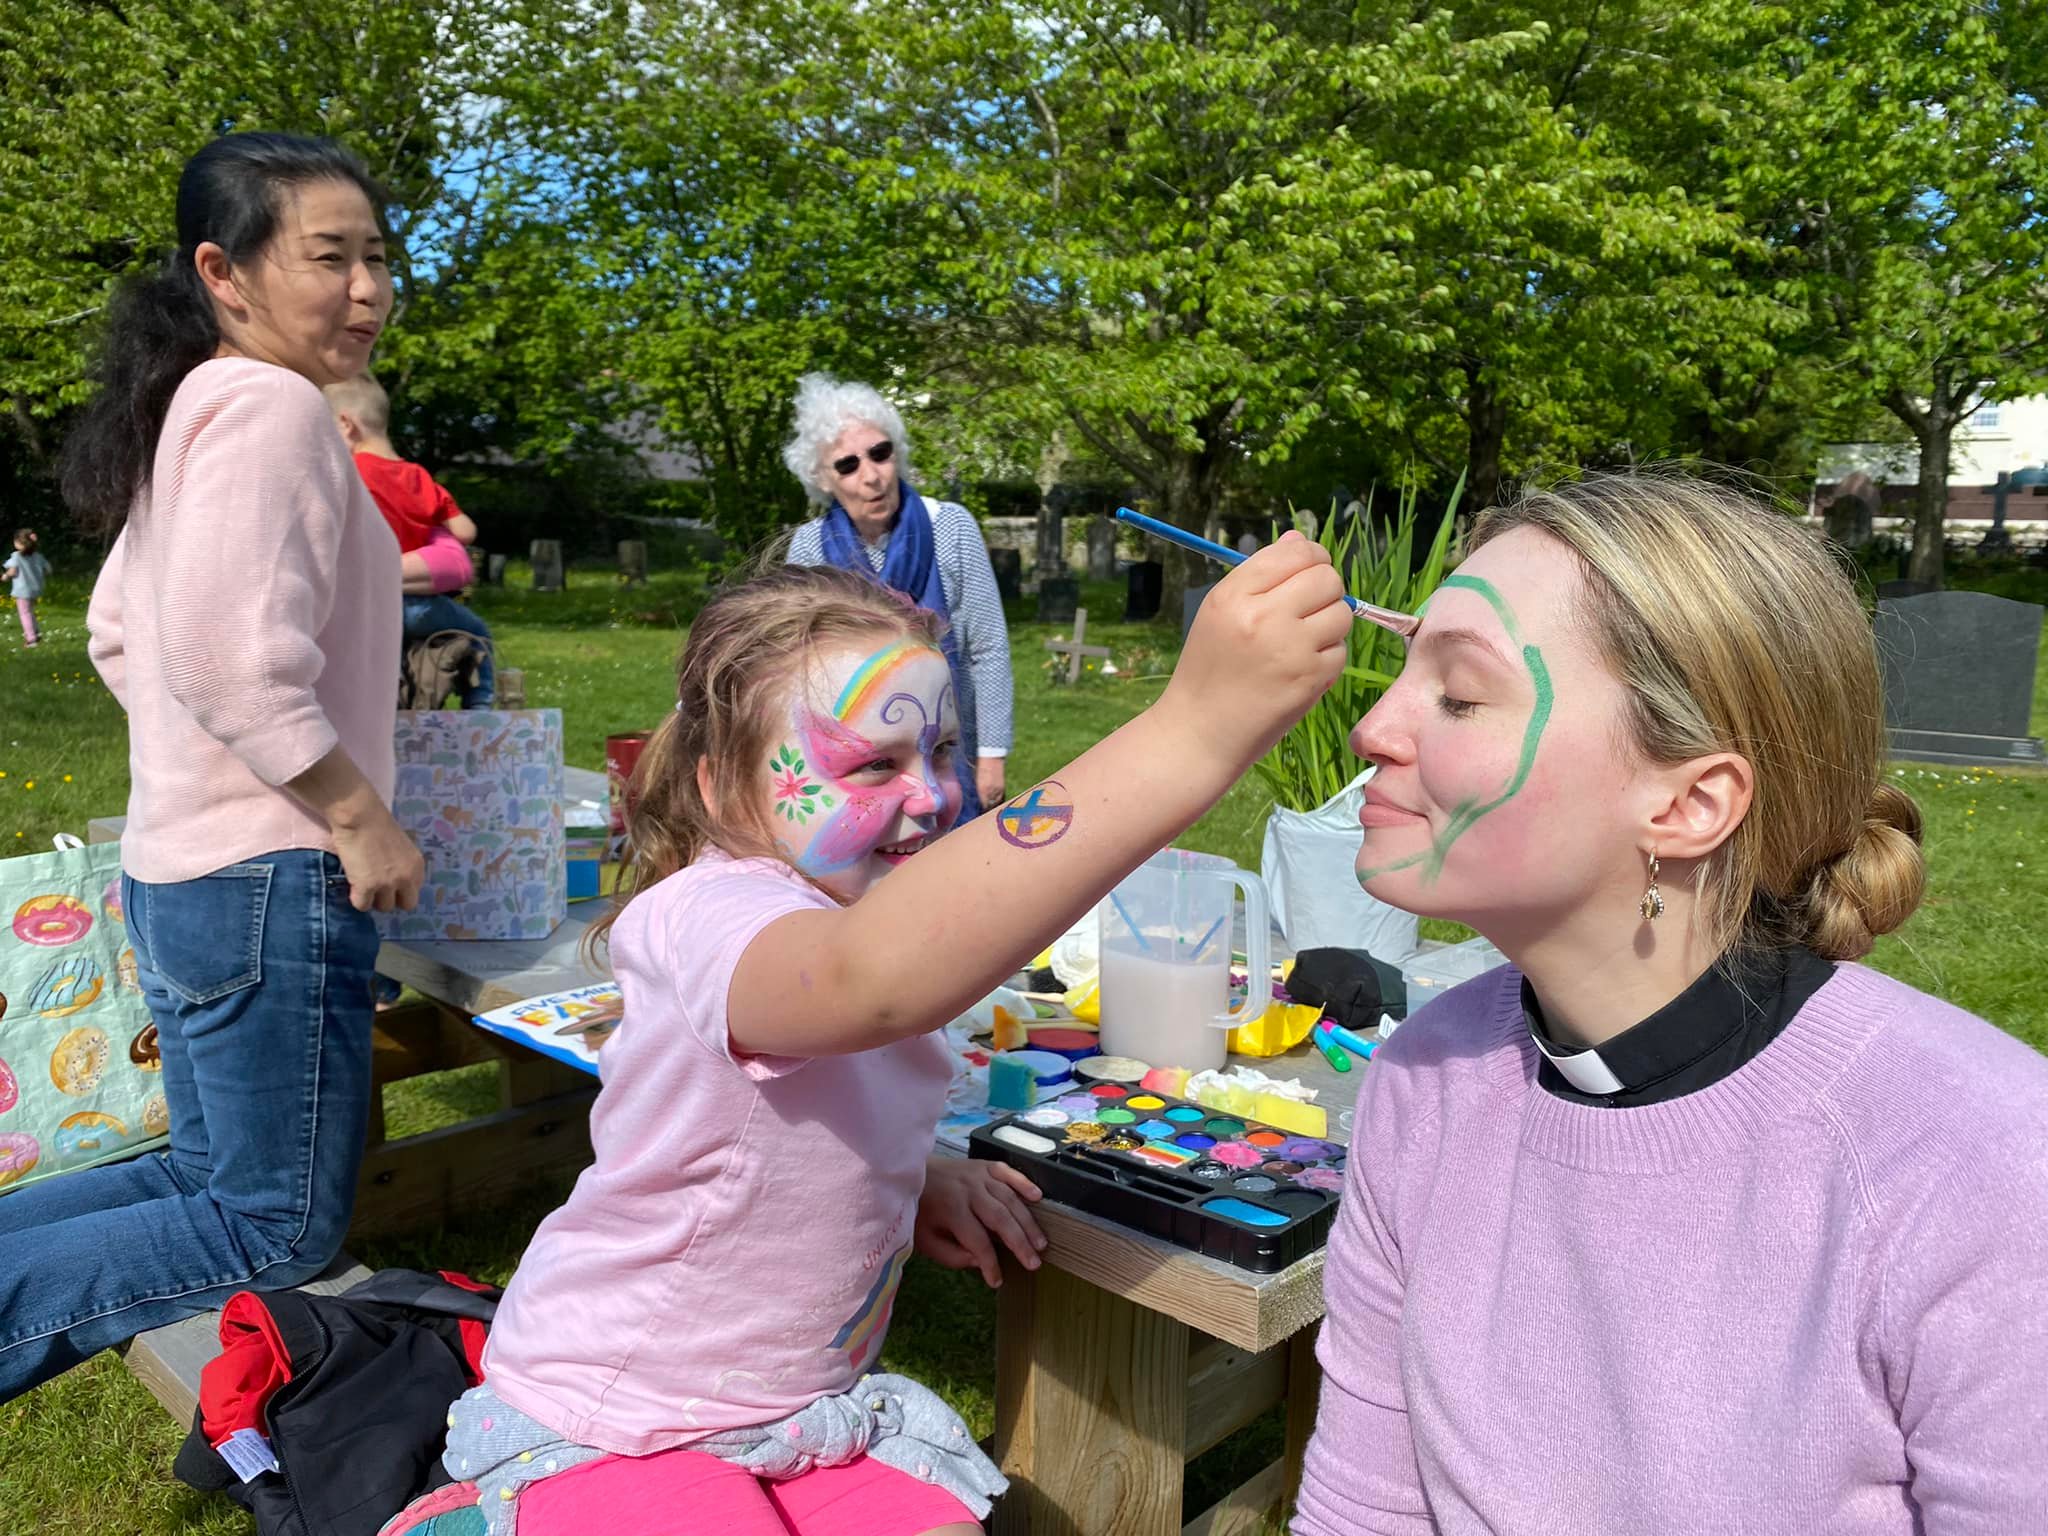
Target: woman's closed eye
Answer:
pixel 1456 709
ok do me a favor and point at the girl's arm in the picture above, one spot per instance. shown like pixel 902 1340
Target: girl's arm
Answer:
pixel 925 943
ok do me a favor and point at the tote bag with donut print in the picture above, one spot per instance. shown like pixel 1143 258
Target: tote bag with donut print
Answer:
pixel 81 1082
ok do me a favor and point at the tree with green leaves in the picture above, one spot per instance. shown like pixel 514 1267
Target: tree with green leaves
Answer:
pixel 1897 149
pixel 100 105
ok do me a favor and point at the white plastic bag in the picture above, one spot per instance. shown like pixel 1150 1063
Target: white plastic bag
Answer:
pixel 1310 867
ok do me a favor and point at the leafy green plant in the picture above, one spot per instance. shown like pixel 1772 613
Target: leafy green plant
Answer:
pixel 1313 761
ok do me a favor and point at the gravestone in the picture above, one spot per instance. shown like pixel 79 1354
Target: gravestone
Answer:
pixel 1058 600
pixel 1144 584
pixel 494 575
pixel 1903 587
pixel 1009 569
pixel 633 562
pixel 547 565
pixel 1075 649
pixel 511 688
pixel 1190 605
pixel 1848 521
pixel 1101 549
pixel 1959 677
pixel 1051 562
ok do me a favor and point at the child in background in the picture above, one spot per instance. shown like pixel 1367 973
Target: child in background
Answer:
pixel 415 505
pixel 689 1336
pixel 29 570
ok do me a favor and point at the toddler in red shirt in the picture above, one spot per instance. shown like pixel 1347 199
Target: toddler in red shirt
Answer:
pixel 415 504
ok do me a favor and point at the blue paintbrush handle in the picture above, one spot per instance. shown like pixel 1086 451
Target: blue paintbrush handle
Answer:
pixel 1400 623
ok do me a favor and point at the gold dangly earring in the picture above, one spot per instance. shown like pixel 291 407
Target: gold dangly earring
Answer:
pixel 1652 904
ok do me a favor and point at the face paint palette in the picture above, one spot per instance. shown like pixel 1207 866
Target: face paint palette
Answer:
pixel 1235 1189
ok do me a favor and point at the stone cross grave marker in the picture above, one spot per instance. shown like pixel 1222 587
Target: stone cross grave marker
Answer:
pixel 1074 650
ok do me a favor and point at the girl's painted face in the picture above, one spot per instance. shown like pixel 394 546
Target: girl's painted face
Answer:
pixel 317 297
pixel 1505 792
pixel 863 775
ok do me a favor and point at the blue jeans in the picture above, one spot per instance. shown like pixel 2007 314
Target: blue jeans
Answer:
pixel 258 979
pixel 426 616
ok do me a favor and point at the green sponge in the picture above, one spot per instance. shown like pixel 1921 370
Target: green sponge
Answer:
pixel 1011 1084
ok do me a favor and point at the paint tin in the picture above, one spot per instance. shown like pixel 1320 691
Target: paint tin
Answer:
pixel 621 757
pixel 1025 1141
pixel 1146 1159
pixel 1244 1211
pixel 1112 1069
pixel 1074 1044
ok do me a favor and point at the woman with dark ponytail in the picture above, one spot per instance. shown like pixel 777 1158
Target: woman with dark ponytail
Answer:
pixel 247 620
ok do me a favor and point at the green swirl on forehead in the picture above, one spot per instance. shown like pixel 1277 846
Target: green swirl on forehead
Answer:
pixel 1470 811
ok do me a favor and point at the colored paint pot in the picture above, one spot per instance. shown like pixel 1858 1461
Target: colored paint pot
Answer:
pixel 1243 1211
pixel 1237 1155
pixel 1195 1141
pixel 1184 1114
pixel 1074 1044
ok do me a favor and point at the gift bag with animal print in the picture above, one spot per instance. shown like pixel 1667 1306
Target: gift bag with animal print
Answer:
pixel 480 792
pixel 80 1078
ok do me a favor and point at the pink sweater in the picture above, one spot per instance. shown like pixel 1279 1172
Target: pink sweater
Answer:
pixel 1811 1298
pixel 248 621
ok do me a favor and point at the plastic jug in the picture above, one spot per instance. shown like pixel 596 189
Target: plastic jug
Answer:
pixel 1166 935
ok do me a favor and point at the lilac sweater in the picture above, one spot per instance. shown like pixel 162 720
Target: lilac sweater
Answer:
pixel 1812 1298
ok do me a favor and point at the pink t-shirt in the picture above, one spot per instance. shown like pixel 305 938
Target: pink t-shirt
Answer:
pixel 733 1253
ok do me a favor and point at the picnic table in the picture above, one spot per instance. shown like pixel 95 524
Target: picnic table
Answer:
pixel 1117 1362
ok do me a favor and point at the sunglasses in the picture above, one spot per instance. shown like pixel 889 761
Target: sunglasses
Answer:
pixel 881 453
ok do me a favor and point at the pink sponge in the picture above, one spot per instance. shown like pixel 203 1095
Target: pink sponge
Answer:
pixel 1171 1080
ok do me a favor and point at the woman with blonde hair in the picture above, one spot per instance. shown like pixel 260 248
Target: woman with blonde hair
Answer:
pixel 1682 1221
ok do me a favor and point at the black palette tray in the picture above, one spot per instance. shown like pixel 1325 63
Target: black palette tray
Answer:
pixel 1235 1189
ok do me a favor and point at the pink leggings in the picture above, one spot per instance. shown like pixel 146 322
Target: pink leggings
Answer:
pixel 26 607
pixel 687 1493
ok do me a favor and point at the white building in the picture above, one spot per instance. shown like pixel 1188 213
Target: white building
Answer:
pixel 2000 437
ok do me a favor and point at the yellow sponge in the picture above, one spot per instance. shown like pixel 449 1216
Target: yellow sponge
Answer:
pixel 1302 1119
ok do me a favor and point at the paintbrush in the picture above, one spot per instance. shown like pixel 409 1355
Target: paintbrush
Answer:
pixel 1402 624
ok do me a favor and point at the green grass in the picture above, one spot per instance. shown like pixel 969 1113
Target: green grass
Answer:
pixel 91 1451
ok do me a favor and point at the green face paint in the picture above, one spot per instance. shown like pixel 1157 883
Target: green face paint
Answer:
pixel 1467 812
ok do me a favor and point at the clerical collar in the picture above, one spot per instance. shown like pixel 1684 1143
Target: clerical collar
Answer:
pixel 1722 1020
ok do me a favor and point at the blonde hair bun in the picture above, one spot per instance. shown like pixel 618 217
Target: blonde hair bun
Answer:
pixel 1873 887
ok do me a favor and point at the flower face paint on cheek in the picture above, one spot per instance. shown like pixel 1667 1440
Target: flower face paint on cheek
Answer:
pixel 1467 812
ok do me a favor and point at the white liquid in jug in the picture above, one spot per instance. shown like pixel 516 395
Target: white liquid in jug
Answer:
pixel 1158 1010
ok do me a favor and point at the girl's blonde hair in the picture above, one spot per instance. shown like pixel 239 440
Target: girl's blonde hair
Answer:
pixel 750 641
pixel 1734 630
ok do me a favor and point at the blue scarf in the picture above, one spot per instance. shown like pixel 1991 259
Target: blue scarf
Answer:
pixel 911 567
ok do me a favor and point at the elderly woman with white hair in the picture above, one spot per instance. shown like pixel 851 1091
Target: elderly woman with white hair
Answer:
pixel 850 452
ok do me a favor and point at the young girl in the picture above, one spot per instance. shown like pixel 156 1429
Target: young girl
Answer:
pixel 29 571
pixel 688 1335
pixel 1680 1222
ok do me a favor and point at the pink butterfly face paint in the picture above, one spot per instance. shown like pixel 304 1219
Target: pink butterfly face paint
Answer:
pixel 865 776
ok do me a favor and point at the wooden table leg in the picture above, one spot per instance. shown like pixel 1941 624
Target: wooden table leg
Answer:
pixel 1304 1390
pixel 1091 1410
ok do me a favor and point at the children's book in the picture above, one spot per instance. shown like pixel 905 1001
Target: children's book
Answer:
pixel 572 1026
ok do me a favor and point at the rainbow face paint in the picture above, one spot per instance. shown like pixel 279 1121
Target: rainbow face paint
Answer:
pixel 865 776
